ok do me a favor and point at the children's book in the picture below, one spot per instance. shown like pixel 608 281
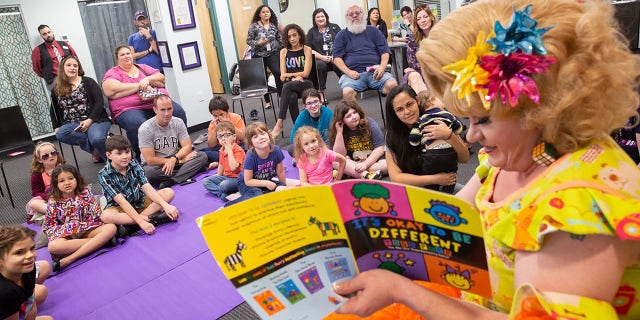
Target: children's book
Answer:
pixel 284 250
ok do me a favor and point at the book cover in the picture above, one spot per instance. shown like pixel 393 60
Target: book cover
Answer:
pixel 284 250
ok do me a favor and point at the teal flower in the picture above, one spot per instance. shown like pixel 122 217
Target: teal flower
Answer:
pixel 521 34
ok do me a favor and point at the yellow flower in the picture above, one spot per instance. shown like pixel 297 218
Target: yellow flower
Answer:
pixel 469 75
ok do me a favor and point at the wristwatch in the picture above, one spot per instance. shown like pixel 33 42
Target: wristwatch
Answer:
pixel 175 156
pixel 149 51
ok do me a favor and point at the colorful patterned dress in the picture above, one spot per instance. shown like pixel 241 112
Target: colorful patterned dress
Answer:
pixel 70 216
pixel 595 190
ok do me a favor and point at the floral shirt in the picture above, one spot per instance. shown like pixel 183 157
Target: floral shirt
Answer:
pixel 75 105
pixel 70 216
pixel 412 48
pixel 594 190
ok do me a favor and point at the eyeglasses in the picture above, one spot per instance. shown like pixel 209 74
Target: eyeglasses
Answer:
pixel 224 135
pixel 354 14
pixel 46 156
pixel 312 103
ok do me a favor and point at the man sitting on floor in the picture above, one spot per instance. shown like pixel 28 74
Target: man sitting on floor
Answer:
pixel 131 200
pixel 357 48
pixel 167 153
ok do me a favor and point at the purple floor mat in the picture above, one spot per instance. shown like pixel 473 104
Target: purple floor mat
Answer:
pixel 169 275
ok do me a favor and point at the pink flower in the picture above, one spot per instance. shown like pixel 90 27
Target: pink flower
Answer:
pixel 509 75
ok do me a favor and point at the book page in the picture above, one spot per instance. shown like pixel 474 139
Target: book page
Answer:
pixel 416 232
pixel 283 251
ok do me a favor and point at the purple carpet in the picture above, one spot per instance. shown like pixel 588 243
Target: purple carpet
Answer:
pixel 168 275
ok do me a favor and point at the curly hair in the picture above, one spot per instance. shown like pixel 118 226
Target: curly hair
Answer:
pixel 273 19
pixel 297 140
pixel 255 129
pixel 340 111
pixel 586 94
pixel 285 35
pixel 56 193
pixel 36 165
pixel 10 235
pixel 63 86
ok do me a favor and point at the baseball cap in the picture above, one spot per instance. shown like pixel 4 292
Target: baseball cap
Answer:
pixel 138 14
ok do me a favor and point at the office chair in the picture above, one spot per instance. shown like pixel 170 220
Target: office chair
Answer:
pixel 253 85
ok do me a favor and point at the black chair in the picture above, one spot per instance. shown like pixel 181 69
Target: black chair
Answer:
pixel 15 140
pixel 313 76
pixel 253 85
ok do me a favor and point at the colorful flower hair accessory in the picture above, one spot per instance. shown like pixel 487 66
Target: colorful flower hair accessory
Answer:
pixel 502 65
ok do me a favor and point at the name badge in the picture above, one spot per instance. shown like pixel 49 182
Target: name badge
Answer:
pixel 325 47
pixel 268 46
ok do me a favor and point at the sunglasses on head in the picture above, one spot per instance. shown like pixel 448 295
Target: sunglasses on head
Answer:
pixel 48 155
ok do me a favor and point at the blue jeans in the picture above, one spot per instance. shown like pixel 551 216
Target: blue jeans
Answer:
pixel 131 120
pixel 220 186
pixel 247 192
pixel 92 139
pixel 365 81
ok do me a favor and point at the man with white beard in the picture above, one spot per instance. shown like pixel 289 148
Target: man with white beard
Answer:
pixel 357 48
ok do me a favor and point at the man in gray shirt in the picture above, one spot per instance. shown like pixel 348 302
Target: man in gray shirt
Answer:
pixel 167 154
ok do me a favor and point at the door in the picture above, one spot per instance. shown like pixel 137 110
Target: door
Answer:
pixel 241 13
pixel 210 46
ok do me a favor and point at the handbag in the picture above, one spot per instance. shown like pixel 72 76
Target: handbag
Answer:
pixel 148 94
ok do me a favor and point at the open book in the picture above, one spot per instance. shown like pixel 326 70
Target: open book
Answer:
pixel 284 250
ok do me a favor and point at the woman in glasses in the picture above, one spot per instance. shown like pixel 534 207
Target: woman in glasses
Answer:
pixel 45 159
pixel 78 113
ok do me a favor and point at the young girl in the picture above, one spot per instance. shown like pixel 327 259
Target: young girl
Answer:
pixel 314 159
pixel 72 222
pixel 19 292
pixel 360 139
pixel 262 164
pixel 45 158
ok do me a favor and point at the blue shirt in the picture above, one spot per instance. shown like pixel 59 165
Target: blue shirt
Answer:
pixel 139 44
pixel 263 169
pixel 361 50
pixel 129 185
pixel 322 123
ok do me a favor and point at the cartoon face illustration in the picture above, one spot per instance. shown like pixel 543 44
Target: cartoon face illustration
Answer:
pixel 457 279
pixel 372 198
pixel 445 213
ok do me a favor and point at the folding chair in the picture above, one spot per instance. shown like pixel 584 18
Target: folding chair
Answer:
pixel 253 85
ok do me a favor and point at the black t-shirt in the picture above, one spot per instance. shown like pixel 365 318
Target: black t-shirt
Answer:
pixel 12 296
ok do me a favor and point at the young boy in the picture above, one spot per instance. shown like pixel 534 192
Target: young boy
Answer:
pixel 314 115
pixel 232 158
pixel 219 109
pixel 131 200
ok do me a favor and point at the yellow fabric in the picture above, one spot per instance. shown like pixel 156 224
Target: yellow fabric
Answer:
pixel 595 190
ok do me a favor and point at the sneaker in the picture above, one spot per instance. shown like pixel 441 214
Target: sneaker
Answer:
pixel 159 218
pixel 166 184
pixel 373 175
pixel 253 115
pixel 95 157
pixel 201 138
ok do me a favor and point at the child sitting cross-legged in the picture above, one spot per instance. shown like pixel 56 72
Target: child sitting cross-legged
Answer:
pixel 262 165
pixel 72 221
pixel 131 200
pixel 232 158
pixel 315 160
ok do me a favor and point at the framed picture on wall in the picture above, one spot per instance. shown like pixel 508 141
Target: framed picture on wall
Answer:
pixel 181 14
pixel 189 55
pixel 165 56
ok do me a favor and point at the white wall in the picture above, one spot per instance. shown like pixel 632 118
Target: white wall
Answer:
pixel 190 88
pixel 63 16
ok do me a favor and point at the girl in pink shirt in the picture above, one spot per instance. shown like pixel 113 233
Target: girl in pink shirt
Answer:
pixel 315 161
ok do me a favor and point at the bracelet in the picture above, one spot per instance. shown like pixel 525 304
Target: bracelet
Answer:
pixel 450 135
pixel 175 156
pixel 150 39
